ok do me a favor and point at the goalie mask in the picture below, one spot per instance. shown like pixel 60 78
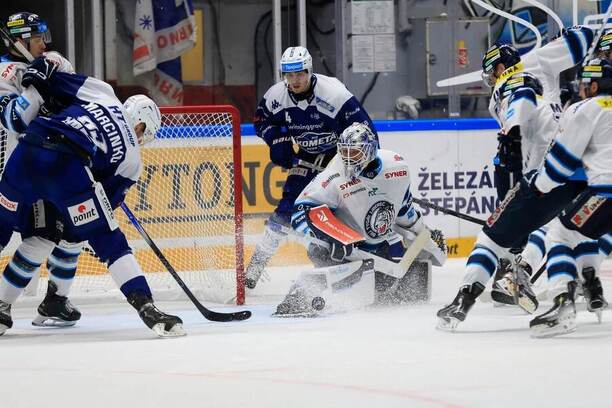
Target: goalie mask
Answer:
pixel 142 109
pixel 357 147
pixel 24 26
pixel 498 54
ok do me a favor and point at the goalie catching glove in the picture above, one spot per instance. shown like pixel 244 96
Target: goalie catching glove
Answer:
pixel 327 228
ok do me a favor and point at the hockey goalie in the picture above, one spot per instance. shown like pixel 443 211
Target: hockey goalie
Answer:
pixel 367 242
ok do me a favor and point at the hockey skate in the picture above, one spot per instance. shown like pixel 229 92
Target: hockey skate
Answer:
pixel 503 284
pixel 451 315
pixel 55 310
pixel 593 293
pixel 164 325
pixel 517 284
pixel 6 322
pixel 560 319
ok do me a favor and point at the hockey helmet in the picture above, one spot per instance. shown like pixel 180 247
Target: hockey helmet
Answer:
pixel 357 147
pixel 498 54
pixel 605 42
pixel 296 59
pixel 600 71
pixel 521 80
pixel 25 25
pixel 142 109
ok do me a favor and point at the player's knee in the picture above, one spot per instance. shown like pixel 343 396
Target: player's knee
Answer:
pixel 36 249
pixel 492 242
pixel 110 246
pixel 558 233
pixel 62 263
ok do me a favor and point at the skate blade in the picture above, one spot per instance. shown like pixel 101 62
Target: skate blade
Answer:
pixel 176 331
pixel 3 328
pixel 46 321
pixel 449 325
pixel 527 304
pixel 502 297
pixel 567 325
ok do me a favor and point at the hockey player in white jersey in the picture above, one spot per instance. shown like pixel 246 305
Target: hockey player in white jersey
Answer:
pixel 368 190
pixel 584 139
pixel 19 107
pixel 69 159
pixel 309 110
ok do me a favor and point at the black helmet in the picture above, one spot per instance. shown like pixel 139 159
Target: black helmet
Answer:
pixel 605 42
pixel 24 25
pixel 498 54
pixel 521 80
pixel 600 71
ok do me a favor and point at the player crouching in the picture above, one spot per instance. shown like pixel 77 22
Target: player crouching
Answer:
pixel 354 216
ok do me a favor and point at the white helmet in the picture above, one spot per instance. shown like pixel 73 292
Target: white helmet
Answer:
pixel 296 59
pixel 142 109
pixel 357 147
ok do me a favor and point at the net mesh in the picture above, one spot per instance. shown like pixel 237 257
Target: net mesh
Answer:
pixel 185 200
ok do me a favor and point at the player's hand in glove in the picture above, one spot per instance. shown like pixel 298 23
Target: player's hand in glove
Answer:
pixel 528 185
pixel 438 238
pixel 39 75
pixel 281 152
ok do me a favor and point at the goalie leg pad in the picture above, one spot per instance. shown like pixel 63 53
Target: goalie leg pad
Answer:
pixel 342 287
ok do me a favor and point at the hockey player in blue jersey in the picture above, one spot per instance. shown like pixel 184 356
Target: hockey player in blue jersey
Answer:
pixel 308 110
pixel 72 159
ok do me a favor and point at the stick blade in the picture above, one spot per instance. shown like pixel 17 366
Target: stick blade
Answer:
pixel 226 317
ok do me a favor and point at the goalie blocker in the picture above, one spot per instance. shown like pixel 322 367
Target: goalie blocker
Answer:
pixel 349 277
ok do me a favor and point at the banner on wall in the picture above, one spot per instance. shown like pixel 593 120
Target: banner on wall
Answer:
pixel 163 31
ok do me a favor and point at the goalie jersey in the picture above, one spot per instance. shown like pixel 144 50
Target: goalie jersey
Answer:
pixel 370 204
pixel 314 123
pixel 93 124
pixel 584 139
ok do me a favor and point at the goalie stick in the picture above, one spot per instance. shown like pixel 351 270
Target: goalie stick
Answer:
pixel 207 313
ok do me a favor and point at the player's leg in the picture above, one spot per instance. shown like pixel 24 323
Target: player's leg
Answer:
pixel 56 309
pixel 590 255
pixel 589 217
pixel 278 225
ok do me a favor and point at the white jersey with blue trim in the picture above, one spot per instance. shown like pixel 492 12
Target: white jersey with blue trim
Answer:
pixel 547 63
pixel 313 123
pixel 584 139
pixel 370 204
pixel 537 118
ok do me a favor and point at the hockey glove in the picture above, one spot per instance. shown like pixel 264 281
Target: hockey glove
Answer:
pixel 528 185
pixel 281 152
pixel 509 150
pixel 39 75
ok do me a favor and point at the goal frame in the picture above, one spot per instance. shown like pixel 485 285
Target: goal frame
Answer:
pixel 237 168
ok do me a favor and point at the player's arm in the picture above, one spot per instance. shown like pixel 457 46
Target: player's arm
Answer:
pixel 567 50
pixel 267 128
pixel 565 154
pixel 351 112
pixel 17 108
pixel 320 191
pixel 116 189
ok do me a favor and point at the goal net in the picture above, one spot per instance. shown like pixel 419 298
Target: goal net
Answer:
pixel 189 200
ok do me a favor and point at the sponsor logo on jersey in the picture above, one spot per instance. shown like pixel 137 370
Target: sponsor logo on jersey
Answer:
pixel 38 209
pixel 605 103
pixel 314 142
pixel 324 104
pixel 350 183
pixel 83 213
pixel 587 210
pixel 8 204
pixel 352 193
pixel 325 183
pixel 22 103
pixel 379 219
pixel 298 171
pixel 509 72
pixel 374 192
pixel 396 174
pixel 502 206
pixel 397 157
pixel 351 113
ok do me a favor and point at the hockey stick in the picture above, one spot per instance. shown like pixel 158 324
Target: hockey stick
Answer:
pixel 604 22
pixel 19 46
pixel 427 204
pixel 207 313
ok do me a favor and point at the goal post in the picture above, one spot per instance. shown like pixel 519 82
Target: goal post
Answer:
pixel 189 198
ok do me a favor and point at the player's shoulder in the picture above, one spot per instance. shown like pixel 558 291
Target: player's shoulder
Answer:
pixel 330 94
pixel 393 165
pixel 591 106
pixel 63 65
pixel 10 71
pixel 277 97
pixel 522 85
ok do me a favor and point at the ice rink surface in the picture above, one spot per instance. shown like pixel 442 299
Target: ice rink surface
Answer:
pixel 372 358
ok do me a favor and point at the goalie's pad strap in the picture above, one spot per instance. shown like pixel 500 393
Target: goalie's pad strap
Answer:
pixel 325 221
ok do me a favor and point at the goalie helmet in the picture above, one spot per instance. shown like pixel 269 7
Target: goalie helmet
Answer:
pixel 142 109
pixel 296 59
pixel 600 71
pixel 498 54
pixel 357 147
pixel 24 25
